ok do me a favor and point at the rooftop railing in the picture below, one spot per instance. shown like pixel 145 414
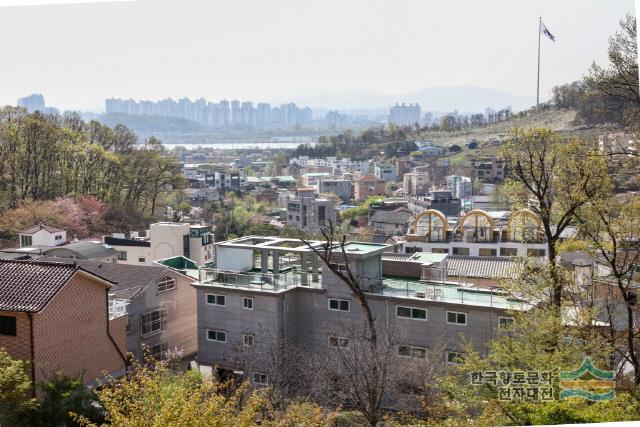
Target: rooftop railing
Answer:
pixel 449 292
pixel 258 280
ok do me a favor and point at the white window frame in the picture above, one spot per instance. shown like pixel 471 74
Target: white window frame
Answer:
pixel 217 331
pixel 164 350
pixel 261 376
pixel 168 283
pixel 216 299
pixel 339 301
pixel 411 349
pixel 248 337
pixel 161 322
pixel 426 313
pixel 456 313
pixel 511 323
pixel 244 303
pixel 458 353
pixel 338 341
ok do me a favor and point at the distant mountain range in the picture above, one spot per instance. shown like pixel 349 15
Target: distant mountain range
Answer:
pixel 470 99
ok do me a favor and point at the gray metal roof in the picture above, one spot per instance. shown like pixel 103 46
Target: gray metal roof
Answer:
pixel 487 267
pixel 85 250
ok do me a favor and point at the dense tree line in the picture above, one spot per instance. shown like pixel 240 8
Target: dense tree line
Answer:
pixel 44 157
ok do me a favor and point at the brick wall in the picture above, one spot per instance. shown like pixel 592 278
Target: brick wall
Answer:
pixel 70 333
pixel 19 347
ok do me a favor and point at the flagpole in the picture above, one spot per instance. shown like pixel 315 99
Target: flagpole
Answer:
pixel 538 85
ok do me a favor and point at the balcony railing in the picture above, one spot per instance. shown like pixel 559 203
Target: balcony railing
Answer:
pixel 449 292
pixel 259 280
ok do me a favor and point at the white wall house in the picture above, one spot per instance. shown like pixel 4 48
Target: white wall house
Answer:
pixel 42 235
pixel 165 240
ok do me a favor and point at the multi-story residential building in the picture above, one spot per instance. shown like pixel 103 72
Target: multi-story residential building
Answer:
pixel 310 214
pixel 384 171
pixel 404 115
pixel 42 235
pixel 158 301
pixel 403 166
pixel 165 240
pixel 416 183
pixel 489 170
pixel 460 186
pixel 286 294
pixel 56 316
pixel 32 103
pixel 223 114
pixel 478 233
pixel 367 186
pixel 333 164
pixel 225 180
pixel 342 188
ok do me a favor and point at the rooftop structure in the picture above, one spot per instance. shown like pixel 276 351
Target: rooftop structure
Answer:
pixel 478 233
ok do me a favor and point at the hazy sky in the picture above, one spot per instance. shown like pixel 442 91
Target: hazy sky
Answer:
pixel 77 55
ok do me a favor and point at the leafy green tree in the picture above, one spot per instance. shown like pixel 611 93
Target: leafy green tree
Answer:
pixel 553 177
pixel 15 390
pixel 60 396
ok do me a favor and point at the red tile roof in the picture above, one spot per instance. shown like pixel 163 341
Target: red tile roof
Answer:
pixel 30 285
pixel 41 226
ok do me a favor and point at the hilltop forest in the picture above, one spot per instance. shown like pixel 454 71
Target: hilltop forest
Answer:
pixel 62 168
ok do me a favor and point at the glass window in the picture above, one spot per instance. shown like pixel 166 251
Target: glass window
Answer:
pixel 506 322
pixel 339 304
pixel 25 241
pixel 213 299
pixel 411 313
pixel 141 259
pixel 159 351
pixel 167 283
pixel 219 336
pixel 122 256
pixel 508 252
pixel 339 342
pixel 415 352
pixel 247 303
pixel 154 321
pixel 8 326
pixel 260 378
pixel 455 358
pixel 456 318
pixel 248 340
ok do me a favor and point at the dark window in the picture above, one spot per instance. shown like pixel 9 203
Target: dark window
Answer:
pixel 8 325
pixel 216 299
pixel 321 214
pixel 411 313
pixel 457 318
pixel 339 304
pixel 25 241
pixel 219 336
pixel 122 256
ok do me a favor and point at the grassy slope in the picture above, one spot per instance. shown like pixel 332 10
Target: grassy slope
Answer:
pixel 556 120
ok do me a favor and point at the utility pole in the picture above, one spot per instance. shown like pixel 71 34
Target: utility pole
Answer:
pixel 538 86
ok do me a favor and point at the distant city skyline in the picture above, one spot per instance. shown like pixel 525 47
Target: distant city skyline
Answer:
pixel 311 53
